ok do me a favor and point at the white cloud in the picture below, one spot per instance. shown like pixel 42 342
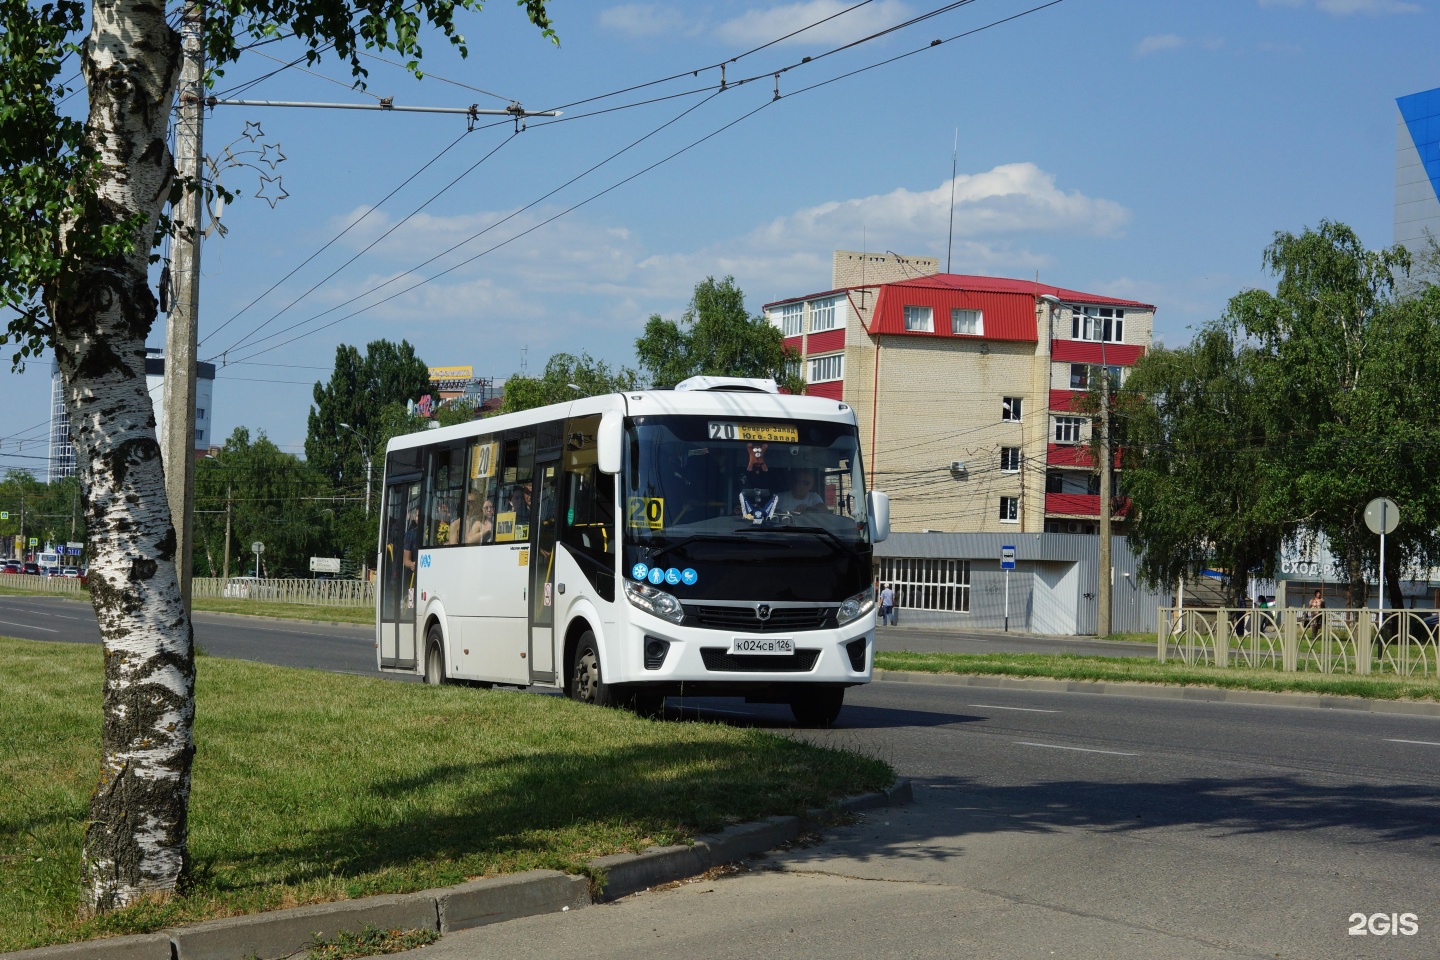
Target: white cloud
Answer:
pixel 1164 41
pixel 762 26
pixel 644 20
pixel 579 283
pixel 1342 8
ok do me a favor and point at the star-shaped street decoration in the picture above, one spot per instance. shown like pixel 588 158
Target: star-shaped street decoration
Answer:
pixel 256 134
pixel 264 192
pixel 265 155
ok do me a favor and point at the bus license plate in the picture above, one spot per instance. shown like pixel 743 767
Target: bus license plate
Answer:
pixel 742 646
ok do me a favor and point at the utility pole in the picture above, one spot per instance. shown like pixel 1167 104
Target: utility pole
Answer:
pixel 1102 616
pixel 178 443
pixel 226 573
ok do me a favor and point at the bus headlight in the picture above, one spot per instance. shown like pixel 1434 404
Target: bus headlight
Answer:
pixel 857 606
pixel 654 601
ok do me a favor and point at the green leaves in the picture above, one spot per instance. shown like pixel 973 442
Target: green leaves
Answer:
pixel 566 377
pixel 715 337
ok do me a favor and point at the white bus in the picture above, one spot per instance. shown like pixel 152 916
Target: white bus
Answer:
pixel 712 540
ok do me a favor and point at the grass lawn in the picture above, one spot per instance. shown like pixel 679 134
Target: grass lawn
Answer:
pixel 1137 670
pixel 254 608
pixel 311 786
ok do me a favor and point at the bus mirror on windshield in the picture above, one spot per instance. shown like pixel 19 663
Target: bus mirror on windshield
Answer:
pixel 608 441
pixel 879 516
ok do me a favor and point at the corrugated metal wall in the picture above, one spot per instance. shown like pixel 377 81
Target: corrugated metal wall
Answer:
pixel 1053 589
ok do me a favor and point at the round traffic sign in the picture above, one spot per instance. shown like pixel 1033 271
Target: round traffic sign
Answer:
pixel 257 547
pixel 1382 515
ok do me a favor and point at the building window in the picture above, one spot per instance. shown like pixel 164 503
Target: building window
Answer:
pixel 1105 324
pixel 830 367
pixel 920 319
pixel 822 316
pixel 1009 509
pixel 199 436
pixel 1079 376
pixel 968 322
pixel 1067 429
pixel 199 413
pixel 1010 459
pixel 1010 408
pixel 927 584
pixel 790 315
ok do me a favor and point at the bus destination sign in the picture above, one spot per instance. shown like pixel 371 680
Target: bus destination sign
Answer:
pixel 763 432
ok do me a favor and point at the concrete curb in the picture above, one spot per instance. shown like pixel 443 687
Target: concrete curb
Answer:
pixel 1156 691
pixel 285 933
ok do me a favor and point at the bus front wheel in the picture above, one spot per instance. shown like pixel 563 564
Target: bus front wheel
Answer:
pixel 586 683
pixel 817 708
pixel 435 656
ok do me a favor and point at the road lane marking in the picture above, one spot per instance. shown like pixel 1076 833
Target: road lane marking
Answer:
pixel 992 706
pixel 1056 746
pixel 1422 743
pixel 31 626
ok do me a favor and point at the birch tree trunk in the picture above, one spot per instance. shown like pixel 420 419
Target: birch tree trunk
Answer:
pixel 135 838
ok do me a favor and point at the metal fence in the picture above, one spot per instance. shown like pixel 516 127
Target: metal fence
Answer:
pixel 1362 642
pixel 318 593
pixel 24 581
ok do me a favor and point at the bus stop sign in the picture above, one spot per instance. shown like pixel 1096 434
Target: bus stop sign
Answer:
pixel 1007 558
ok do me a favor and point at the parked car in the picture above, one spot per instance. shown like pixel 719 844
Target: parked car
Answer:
pixel 31 568
pixel 12 566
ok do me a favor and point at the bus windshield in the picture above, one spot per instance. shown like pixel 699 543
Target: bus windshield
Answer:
pixel 737 478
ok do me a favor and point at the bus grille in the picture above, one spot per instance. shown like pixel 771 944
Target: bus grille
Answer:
pixel 719 660
pixel 743 619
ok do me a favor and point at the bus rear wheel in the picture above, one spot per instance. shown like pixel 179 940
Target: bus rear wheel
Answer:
pixel 586 683
pixel 435 656
pixel 817 708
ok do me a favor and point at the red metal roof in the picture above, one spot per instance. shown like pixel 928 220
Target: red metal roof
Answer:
pixel 956 281
pixel 1006 316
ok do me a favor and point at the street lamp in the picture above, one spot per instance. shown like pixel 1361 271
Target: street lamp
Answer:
pixel 365 452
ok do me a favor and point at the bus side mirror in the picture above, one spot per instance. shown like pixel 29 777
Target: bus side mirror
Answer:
pixel 879 504
pixel 607 442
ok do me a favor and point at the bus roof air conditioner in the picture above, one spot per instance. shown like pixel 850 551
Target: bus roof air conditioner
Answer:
pixel 730 384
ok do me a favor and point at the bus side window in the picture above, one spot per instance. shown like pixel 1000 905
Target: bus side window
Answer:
pixel 589 519
pixel 447 485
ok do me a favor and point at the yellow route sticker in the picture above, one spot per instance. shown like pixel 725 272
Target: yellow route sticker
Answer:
pixel 524 556
pixel 642 512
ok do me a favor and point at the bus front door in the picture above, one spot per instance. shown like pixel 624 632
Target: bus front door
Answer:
pixel 542 572
pixel 397 575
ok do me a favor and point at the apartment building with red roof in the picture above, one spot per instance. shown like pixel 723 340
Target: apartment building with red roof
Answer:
pixel 965 387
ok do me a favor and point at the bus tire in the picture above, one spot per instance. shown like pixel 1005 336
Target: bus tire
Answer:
pixel 586 683
pixel 435 656
pixel 819 707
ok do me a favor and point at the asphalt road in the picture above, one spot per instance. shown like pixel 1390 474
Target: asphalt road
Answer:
pixel 1046 824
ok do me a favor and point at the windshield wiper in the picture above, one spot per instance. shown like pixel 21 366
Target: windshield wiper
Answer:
pixel 693 538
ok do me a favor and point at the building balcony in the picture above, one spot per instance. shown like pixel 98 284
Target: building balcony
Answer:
pixel 1079 505
pixel 1073 455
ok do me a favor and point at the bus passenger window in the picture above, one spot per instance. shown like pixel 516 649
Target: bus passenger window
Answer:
pixel 447 485
pixel 481 491
pixel 589 518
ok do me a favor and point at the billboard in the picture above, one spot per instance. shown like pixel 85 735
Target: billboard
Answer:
pixel 447 374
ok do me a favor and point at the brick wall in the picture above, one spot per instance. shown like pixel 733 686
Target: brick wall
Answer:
pixel 851 268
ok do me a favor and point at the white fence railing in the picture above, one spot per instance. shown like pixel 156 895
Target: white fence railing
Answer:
pixel 318 593
pixel 1363 642
pixel 24 581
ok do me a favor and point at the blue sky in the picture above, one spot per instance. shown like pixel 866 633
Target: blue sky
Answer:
pixel 1138 149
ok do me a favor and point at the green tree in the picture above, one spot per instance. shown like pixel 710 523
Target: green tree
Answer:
pixel 566 377
pixel 1203 490
pixel 358 389
pixel 715 337
pixel 1335 348
pixel 275 497
pixel 81 206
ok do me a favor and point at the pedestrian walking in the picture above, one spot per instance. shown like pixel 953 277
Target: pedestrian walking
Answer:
pixel 887 604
